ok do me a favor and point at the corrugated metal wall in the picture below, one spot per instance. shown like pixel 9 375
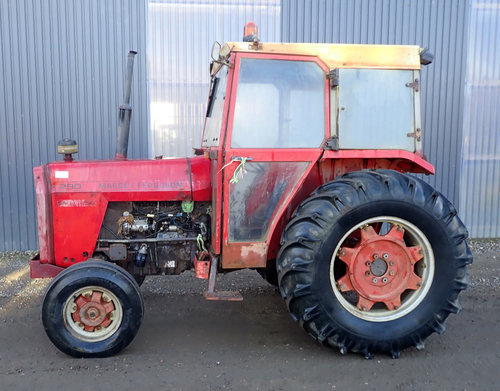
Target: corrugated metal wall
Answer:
pixel 480 185
pixel 181 33
pixel 62 67
pixel 440 26
pixel 61 75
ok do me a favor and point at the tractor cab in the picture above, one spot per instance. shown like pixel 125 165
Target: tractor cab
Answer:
pixel 284 118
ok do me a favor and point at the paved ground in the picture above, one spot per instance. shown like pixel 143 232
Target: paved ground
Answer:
pixel 186 343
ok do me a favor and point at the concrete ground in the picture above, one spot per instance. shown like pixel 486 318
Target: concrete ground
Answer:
pixel 186 343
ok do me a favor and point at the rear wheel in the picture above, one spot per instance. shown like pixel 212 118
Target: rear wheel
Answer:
pixel 92 309
pixel 373 262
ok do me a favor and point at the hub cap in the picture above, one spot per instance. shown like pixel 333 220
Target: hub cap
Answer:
pixel 382 268
pixel 93 313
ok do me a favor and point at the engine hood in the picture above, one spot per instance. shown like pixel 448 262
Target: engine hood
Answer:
pixel 132 180
pixel 72 198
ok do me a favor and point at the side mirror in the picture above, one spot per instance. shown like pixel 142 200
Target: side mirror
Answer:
pixel 219 57
pixel 216 51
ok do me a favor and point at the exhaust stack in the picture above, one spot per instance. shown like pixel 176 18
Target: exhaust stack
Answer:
pixel 125 112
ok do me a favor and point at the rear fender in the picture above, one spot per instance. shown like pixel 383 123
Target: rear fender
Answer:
pixel 336 163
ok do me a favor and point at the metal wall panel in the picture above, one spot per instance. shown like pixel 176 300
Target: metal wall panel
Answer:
pixel 480 185
pixel 62 68
pixel 181 33
pixel 439 25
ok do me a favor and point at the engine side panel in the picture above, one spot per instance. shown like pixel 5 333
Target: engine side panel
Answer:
pixel 134 180
pixel 72 198
pixel 76 222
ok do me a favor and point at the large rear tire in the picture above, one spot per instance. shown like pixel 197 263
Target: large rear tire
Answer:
pixel 92 309
pixel 373 262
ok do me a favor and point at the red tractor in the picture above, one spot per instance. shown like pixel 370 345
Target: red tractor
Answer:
pixel 302 174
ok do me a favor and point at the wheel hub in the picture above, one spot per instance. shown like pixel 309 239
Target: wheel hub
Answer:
pixel 92 311
pixel 380 268
pixel 377 267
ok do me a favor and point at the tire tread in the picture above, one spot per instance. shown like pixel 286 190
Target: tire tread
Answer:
pixel 303 237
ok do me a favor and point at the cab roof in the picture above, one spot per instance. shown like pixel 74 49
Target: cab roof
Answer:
pixel 339 55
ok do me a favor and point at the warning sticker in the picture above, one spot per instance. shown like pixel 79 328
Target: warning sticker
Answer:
pixel 62 174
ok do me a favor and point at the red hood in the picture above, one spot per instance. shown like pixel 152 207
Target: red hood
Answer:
pixel 129 180
pixel 72 197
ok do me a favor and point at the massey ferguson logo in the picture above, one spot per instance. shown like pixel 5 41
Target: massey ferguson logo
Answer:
pixel 75 203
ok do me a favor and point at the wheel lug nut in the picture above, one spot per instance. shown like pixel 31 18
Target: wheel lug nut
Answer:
pixel 375 256
pixel 385 256
pixel 368 263
pixel 391 273
pixel 367 273
pixel 375 280
pixel 391 263
pixel 384 280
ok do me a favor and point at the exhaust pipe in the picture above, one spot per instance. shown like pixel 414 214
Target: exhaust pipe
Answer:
pixel 125 112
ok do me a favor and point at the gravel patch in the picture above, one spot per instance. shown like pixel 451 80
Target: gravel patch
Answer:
pixel 17 256
pixel 15 279
pixel 247 282
pixel 481 246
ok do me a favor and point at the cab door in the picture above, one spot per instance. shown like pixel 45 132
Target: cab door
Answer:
pixel 277 123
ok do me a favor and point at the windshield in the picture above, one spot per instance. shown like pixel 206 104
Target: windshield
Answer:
pixel 215 108
pixel 279 104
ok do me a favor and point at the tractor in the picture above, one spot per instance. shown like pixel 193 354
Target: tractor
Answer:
pixel 303 174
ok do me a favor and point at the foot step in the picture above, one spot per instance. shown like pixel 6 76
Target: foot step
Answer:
pixel 223 296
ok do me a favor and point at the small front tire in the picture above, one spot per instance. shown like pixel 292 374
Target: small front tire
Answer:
pixel 92 309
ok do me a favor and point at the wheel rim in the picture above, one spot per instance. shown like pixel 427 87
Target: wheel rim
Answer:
pixel 93 313
pixel 382 269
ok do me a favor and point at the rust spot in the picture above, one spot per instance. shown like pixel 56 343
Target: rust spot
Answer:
pixel 244 255
pixel 254 249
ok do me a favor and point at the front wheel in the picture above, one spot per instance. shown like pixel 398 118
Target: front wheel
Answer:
pixel 373 262
pixel 92 309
